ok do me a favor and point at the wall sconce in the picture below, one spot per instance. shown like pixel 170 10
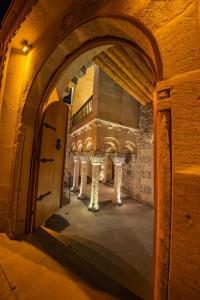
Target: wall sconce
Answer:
pixel 26 47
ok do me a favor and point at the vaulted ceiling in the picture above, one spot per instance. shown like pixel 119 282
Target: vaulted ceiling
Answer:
pixel 130 69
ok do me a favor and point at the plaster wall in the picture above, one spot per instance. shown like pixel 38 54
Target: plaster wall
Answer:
pixel 138 175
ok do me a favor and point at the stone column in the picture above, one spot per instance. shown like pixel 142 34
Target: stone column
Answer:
pixel 75 187
pixel 105 171
pixel 96 162
pixel 118 162
pixel 84 168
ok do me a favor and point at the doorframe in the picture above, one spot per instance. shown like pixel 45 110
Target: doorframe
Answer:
pixel 84 48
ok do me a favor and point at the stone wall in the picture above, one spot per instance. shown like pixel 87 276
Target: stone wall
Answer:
pixel 138 174
pixel 115 104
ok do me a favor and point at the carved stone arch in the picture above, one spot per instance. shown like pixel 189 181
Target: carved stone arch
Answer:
pixel 70 53
pixel 108 30
pixel 73 147
pixel 130 146
pixel 73 40
pixel 112 142
pixel 79 146
pixel 88 144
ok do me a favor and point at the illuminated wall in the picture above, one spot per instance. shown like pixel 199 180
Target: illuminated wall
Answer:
pixel 84 89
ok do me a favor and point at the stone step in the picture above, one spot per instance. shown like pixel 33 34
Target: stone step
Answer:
pixel 104 260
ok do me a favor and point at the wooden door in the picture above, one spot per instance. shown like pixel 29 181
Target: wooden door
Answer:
pixel 51 161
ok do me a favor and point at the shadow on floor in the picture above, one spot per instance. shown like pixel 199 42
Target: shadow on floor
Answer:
pixel 79 267
pixel 57 223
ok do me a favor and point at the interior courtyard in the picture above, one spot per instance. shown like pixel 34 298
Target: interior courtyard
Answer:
pixel 99 157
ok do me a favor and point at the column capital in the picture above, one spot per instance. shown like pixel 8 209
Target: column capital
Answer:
pixel 76 158
pixel 96 160
pixel 84 159
pixel 118 161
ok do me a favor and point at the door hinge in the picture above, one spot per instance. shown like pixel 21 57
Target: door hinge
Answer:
pixel 44 160
pixel 49 126
pixel 40 198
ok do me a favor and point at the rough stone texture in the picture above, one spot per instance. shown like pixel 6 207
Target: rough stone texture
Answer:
pixel 185 236
pixel 165 205
pixel 138 175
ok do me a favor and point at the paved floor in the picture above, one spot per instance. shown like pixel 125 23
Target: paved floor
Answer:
pixel 29 273
pixel 126 231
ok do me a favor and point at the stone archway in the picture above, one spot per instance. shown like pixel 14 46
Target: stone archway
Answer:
pixel 104 27
pixel 55 65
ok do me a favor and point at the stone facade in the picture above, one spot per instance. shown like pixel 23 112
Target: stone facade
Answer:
pixel 135 144
pixel 119 125
pixel 138 176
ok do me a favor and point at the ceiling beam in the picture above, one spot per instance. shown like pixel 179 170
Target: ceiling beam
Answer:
pixel 114 74
pixel 133 73
pixel 134 59
pixel 119 71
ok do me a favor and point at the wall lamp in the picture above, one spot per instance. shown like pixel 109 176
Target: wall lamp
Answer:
pixel 26 47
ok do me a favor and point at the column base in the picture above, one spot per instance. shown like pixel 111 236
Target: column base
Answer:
pixel 119 203
pixel 82 197
pixel 93 209
pixel 74 189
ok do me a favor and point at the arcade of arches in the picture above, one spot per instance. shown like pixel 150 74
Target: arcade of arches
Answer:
pixel 103 95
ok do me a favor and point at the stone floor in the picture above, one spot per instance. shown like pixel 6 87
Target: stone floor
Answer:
pixel 27 272
pixel 126 231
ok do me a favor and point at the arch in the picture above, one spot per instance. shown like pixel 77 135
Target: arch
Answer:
pixel 88 144
pixel 130 146
pixel 109 147
pixel 73 147
pixel 79 146
pixel 112 142
pixel 108 31
pixel 70 55
pixel 74 46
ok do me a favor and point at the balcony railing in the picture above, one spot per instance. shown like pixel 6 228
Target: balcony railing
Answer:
pixel 82 112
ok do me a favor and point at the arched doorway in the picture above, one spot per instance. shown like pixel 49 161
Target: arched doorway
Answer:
pixel 111 144
pixel 79 51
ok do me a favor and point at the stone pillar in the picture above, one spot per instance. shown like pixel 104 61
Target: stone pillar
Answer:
pixel 84 168
pixel 105 170
pixel 118 162
pixel 75 187
pixel 96 162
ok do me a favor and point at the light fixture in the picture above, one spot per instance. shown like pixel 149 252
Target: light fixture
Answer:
pixel 26 47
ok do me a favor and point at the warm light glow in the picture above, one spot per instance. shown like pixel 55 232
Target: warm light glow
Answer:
pixel 26 47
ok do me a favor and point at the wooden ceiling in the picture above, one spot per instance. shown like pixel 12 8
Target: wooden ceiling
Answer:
pixel 130 69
